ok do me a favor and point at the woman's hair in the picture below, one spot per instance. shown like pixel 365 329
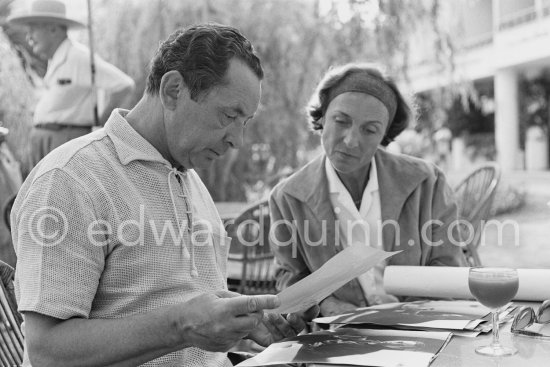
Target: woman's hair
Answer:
pixel 320 100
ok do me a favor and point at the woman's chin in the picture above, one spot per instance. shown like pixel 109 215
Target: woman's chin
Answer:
pixel 343 168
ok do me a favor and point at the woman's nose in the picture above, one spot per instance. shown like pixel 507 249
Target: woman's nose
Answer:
pixel 351 138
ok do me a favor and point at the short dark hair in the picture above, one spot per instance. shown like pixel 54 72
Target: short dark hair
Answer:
pixel 319 101
pixel 201 54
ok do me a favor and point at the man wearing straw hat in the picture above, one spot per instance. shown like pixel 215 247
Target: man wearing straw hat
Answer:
pixel 65 109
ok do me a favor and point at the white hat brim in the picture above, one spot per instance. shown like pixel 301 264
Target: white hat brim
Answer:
pixel 46 17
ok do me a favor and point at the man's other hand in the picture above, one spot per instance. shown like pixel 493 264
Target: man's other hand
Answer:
pixel 275 327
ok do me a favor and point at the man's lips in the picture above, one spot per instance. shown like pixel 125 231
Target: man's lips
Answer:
pixel 215 153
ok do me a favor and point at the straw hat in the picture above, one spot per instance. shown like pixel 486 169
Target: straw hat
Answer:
pixel 46 11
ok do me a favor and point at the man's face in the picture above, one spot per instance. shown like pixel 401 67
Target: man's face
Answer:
pixel 198 132
pixel 40 37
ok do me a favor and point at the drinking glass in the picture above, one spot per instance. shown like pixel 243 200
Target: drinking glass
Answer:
pixel 494 288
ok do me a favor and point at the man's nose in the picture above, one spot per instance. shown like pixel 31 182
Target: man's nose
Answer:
pixel 235 135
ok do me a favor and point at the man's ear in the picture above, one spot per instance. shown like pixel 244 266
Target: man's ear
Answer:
pixel 171 88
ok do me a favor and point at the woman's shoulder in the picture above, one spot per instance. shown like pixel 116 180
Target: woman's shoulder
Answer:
pixel 404 161
pixel 408 168
pixel 302 181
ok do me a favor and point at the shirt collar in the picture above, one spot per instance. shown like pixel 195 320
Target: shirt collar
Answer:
pixel 372 185
pixel 59 56
pixel 129 144
pixel 335 185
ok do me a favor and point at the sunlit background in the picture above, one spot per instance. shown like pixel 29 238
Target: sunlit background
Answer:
pixel 478 72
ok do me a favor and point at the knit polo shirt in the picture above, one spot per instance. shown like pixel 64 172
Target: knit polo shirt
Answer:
pixel 100 228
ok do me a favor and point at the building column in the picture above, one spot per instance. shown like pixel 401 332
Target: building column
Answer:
pixel 509 156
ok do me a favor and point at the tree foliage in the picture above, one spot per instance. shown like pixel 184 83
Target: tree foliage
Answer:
pixel 465 116
pixel 534 104
pixel 297 42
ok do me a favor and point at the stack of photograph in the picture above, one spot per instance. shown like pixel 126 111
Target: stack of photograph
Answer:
pixel 406 333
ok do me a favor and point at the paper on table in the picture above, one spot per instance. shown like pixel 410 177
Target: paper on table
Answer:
pixel 355 347
pixel 452 282
pixel 426 314
pixel 340 269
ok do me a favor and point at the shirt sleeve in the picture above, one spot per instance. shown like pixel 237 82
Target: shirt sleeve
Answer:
pixel 110 78
pixel 59 266
pixel 289 264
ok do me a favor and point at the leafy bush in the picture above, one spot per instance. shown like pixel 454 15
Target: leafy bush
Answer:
pixel 481 146
pixel 534 94
pixel 467 117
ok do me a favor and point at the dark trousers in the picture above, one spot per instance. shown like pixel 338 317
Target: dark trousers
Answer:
pixel 46 139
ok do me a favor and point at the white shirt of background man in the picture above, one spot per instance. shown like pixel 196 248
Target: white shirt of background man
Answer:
pixel 67 96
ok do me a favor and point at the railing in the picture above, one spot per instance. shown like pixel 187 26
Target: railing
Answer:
pixel 509 21
pixel 478 41
pixel 519 17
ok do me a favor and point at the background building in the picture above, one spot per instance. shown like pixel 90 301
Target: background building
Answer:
pixel 502 48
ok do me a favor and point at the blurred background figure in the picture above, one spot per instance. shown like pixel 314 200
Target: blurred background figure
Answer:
pixel 66 106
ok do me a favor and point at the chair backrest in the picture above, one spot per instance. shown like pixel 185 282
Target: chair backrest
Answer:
pixel 475 196
pixel 11 339
pixel 250 247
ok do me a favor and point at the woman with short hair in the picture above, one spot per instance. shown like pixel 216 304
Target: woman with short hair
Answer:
pixel 356 193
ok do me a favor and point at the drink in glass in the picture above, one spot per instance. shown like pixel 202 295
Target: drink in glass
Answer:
pixel 494 288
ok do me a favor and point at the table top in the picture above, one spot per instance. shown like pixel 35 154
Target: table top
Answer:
pixel 460 352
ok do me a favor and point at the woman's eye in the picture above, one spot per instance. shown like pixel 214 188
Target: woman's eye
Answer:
pixel 230 117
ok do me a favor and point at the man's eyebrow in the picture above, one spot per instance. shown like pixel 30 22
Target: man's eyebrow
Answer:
pixel 238 110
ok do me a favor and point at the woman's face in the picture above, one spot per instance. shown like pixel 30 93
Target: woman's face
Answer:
pixel 353 127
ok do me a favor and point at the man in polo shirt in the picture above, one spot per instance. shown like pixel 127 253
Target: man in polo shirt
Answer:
pixel 121 252
pixel 65 109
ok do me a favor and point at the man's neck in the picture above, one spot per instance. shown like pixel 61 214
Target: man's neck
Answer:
pixel 146 118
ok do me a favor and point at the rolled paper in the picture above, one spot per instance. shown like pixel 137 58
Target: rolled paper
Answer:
pixel 452 282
